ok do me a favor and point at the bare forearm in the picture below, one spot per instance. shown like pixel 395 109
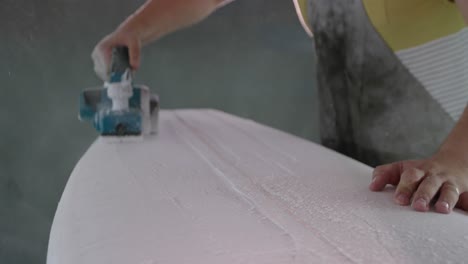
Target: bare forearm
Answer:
pixel 157 18
pixel 457 141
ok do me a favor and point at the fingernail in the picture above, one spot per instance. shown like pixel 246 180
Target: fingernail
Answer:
pixel 420 204
pixel 445 204
pixel 402 199
pixel 444 207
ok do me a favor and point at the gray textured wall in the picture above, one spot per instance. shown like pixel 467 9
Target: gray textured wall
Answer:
pixel 251 59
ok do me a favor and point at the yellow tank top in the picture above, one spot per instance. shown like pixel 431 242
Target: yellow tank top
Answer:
pixel 405 23
pixel 408 23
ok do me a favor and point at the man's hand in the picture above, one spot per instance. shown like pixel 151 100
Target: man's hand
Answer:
pixel 103 51
pixel 150 22
pixel 442 179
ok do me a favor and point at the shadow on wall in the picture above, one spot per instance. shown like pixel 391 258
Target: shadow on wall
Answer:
pixel 251 59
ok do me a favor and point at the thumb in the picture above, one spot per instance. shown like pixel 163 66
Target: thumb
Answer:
pixel 101 57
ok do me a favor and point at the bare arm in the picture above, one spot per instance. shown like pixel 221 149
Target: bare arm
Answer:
pixel 458 138
pixel 444 176
pixel 151 21
pixel 157 18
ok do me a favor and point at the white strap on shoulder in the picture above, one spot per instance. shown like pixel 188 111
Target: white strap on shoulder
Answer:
pixel 223 3
pixel 302 19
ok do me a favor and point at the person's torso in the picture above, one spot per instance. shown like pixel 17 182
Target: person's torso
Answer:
pixel 430 39
pixel 391 83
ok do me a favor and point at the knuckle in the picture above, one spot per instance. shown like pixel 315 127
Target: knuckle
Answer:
pixel 412 175
pixel 383 167
pixel 431 180
pixel 427 190
pixel 422 194
pixel 404 189
pixel 377 170
pixel 432 164
pixel 451 187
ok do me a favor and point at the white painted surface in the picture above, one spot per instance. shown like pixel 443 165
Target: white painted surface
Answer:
pixel 213 188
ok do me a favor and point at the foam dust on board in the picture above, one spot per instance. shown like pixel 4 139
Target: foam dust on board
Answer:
pixel 213 188
pixel 120 139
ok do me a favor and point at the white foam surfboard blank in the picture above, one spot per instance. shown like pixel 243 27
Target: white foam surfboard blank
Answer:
pixel 214 188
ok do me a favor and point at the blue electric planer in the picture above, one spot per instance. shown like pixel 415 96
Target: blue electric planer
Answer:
pixel 120 109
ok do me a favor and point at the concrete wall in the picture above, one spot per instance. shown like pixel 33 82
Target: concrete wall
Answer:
pixel 251 59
